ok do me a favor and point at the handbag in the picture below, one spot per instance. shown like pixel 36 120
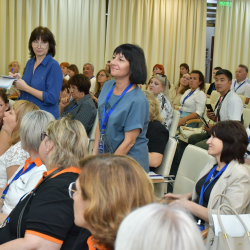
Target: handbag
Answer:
pixel 223 241
pixel 187 131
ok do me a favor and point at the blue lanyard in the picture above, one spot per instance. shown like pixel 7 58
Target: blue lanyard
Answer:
pixel 106 117
pixel 203 189
pixel 19 174
pixel 65 113
pixel 187 97
pixel 213 87
pixel 91 77
pixel 238 86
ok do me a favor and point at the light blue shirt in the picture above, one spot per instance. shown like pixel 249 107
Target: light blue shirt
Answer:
pixel 131 112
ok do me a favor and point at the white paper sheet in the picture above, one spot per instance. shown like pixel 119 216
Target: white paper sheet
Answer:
pixel 6 81
pixel 232 225
pixel 155 176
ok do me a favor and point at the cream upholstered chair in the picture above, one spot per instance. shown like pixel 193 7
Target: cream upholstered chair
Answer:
pixel 246 117
pixel 164 168
pixel 248 169
pixel 193 161
pixel 243 99
pixel 92 135
pixel 207 85
pixel 174 124
pixel 214 96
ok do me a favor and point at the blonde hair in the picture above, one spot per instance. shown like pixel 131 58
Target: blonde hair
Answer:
pixel 97 84
pixel 10 64
pixel 164 82
pixel 113 186
pixel 70 142
pixel 158 226
pixel 154 107
pixel 21 108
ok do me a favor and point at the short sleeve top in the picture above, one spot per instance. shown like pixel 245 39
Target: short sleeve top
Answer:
pixel 49 214
pixel 15 155
pixel 131 112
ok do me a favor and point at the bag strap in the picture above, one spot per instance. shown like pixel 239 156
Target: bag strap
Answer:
pixel 210 218
pixel 19 223
pixel 222 226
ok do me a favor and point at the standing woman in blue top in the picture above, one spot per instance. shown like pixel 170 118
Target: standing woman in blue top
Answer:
pixel 42 79
pixel 123 108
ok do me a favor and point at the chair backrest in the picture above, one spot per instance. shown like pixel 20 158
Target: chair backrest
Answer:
pixel 214 96
pixel 246 117
pixel 243 99
pixel 207 87
pixel 168 157
pixel 248 169
pixel 164 168
pixel 192 163
pixel 92 135
pixel 174 124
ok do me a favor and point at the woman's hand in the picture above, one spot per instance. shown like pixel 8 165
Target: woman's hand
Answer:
pixel 182 122
pixel 21 85
pixel 177 196
pixel 64 102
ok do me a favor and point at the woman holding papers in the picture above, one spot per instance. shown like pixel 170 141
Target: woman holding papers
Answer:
pixel 42 79
pixel 225 174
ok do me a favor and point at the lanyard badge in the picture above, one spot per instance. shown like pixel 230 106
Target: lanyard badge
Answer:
pixel 105 116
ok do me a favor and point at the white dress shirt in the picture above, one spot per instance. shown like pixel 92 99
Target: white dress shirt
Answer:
pixel 194 103
pixel 244 89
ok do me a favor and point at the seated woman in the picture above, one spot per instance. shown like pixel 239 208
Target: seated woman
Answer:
pixel 65 90
pixel 101 77
pixel 193 100
pixel 157 86
pixel 107 190
pixel 157 134
pixel 175 93
pixel 158 69
pixel 184 69
pixel 29 173
pixel 72 70
pixel 48 220
pixel 4 106
pixel 82 107
pixel 162 227
pixel 14 68
pixel 15 156
pixel 64 68
pixel 225 174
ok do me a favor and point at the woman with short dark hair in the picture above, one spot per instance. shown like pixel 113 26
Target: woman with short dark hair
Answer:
pixel 82 107
pixel 123 108
pixel 42 79
pixel 225 174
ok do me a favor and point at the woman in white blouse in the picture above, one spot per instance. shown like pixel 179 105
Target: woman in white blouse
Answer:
pixel 15 156
pixel 28 174
pixel 157 85
pixel 194 99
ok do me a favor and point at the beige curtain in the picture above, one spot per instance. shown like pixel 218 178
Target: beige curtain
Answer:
pixel 170 32
pixel 232 35
pixel 78 27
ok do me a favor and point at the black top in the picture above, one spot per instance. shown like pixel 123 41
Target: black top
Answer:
pixel 209 92
pixel 81 242
pixel 49 213
pixel 208 191
pixel 158 136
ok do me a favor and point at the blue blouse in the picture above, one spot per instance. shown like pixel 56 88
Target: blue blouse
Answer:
pixel 46 78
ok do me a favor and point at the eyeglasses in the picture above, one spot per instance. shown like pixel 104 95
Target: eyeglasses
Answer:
pixel 43 135
pixel 101 75
pixel 42 44
pixel 184 77
pixel 72 189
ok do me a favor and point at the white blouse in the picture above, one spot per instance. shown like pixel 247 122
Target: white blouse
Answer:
pixel 15 155
pixel 194 103
pixel 23 185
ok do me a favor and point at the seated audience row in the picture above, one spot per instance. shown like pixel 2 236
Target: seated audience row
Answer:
pixel 228 107
pixel 212 85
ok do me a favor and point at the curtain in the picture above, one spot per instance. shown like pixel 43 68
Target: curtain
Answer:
pixel 78 27
pixel 232 35
pixel 170 32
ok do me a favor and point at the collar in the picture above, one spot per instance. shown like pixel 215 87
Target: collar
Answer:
pixel 195 91
pixel 93 244
pixel 37 161
pixel 46 59
pixel 239 82
pixel 91 77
